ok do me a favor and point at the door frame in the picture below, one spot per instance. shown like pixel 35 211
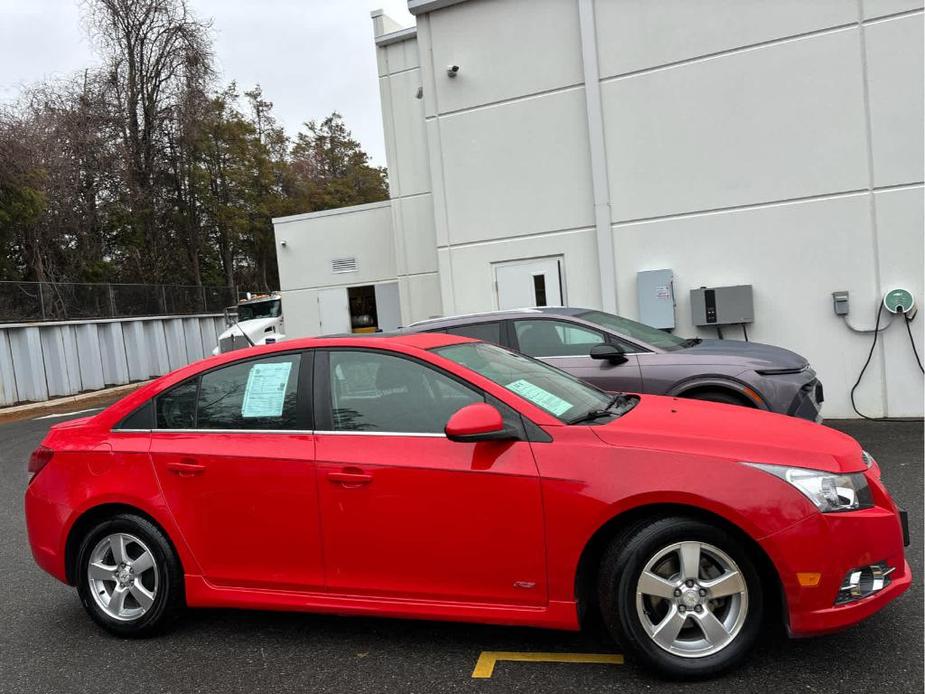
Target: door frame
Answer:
pixel 560 262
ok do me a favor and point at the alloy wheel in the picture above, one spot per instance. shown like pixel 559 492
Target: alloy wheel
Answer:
pixel 123 576
pixel 691 599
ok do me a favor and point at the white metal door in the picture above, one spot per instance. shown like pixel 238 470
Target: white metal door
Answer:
pixel 388 307
pixel 334 310
pixel 534 282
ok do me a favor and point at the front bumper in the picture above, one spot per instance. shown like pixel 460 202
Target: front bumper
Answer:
pixel 831 545
pixel 807 403
pixel 796 393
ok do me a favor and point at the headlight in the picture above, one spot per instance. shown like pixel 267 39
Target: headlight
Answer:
pixel 830 492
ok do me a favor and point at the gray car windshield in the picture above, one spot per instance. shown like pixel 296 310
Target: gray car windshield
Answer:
pixel 635 331
pixel 550 389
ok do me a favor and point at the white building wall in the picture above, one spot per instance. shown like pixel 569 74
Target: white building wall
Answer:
pixel 776 144
pixel 409 173
pixel 768 163
pixel 508 144
pixel 306 244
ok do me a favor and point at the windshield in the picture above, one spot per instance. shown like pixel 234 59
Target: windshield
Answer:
pixel 635 331
pixel 261 309
pixel 560 394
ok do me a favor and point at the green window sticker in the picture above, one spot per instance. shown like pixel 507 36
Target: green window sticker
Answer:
pixel 265 392
pixel 539 396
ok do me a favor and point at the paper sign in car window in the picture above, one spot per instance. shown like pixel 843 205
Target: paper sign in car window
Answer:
pixel 265 392
pixel 539 396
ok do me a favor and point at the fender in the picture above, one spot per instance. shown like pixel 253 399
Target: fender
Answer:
pixel 160 515
pixel 719 382
pixel 695 502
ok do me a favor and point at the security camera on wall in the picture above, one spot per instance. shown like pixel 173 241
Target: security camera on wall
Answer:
pixel 451 70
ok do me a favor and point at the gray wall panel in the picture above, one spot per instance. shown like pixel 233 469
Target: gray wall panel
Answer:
pixel 112 354
pixel 26 348
pixel 46 360
pixel 8 394
pixel 88 352
pixel 55 369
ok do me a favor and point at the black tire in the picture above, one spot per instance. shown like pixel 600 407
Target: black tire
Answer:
pixel 719 396
pixel 168 596
pixel 620 570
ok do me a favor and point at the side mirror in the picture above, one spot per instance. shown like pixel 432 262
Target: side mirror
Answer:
pixel 611 353
pixel 477 422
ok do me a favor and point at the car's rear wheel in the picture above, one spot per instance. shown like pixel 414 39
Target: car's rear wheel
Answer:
pixel 682 596
pixel 128 576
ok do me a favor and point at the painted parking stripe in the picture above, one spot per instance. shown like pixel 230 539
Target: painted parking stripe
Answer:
pixel 485 666
pixel 67 414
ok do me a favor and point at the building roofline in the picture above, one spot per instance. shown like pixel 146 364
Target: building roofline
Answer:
pixel 329 213
pixel 397 36
pixel 417 7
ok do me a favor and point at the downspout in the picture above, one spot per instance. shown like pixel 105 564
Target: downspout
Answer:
pixel 599 184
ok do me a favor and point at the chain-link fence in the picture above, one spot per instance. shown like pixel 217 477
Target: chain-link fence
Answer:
pixel 46 301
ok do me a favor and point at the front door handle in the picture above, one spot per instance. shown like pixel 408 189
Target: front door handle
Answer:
pixel 350 477
pixel 186 468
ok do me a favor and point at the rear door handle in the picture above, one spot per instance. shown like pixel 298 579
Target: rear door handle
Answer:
pixel 350 477
pixel 186 468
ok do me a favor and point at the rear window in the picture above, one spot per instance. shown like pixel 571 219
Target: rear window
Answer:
pixel 257 394
pixel 253 394
pixel 176 409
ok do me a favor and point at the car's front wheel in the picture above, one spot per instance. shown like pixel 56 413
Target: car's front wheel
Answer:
pixel 128 576
pixel 681 595
pixel 721 397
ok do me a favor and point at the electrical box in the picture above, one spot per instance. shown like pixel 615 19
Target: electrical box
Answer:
pixel 840 302
pixel 655 296
pixel 722 305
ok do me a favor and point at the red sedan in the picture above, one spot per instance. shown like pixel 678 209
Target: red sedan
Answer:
pixel 433 476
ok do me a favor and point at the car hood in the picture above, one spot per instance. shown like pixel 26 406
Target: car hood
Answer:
pixel 754 354
pixel 732 433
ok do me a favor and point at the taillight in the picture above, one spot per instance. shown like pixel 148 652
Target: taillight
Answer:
pixel 40 457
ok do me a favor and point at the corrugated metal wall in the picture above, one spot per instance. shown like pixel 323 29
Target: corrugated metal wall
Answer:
pixel 39 361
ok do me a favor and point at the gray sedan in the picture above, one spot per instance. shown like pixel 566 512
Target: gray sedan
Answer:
pixel 620 355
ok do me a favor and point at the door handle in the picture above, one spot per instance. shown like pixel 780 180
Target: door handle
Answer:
pixel 186 468
pixel 350 477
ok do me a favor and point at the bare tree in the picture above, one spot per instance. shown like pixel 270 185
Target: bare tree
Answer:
pixel 155 52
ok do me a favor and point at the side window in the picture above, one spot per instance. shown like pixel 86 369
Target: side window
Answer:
pixel 254 394
pixel 176 409
pixel 140 419
pixel 487 332
pixel 552 338
pixel 380 392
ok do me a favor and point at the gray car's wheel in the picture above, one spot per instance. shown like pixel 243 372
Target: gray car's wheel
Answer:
pixel 128 576
pixel 682 596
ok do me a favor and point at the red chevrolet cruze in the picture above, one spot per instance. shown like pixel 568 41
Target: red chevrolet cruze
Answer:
pixel 433 476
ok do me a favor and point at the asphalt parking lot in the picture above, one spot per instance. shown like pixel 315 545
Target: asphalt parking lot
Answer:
pixel 48 644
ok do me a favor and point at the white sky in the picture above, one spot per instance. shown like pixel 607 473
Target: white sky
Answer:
pixel 310 56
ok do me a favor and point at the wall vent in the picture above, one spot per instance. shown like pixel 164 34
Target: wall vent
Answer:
pixel 343 265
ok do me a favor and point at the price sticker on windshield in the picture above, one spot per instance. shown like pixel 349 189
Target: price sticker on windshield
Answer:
pixel 540 396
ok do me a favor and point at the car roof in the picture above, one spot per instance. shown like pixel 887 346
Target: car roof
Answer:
pixel 502 314
pixel 415 340
pixel 420 341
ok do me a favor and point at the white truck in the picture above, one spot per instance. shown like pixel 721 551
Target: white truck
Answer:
pixel 257 320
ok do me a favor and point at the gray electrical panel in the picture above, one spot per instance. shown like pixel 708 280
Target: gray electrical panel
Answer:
pixel 722 305
pixel 655 294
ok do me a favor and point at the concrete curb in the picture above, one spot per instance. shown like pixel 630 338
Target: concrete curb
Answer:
pixel 33 409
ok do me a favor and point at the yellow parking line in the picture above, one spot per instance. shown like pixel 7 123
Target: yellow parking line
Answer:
pixel 486 663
